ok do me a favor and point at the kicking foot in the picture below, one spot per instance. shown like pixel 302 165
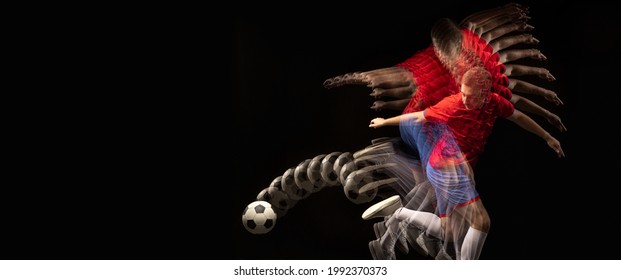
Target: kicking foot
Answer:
pixel 415 237
pixel 378 253
pixel 383 208
pixel 380 229
pixel 443 255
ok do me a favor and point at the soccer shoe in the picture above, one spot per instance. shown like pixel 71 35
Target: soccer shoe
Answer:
pixel 402 243
pixel 433 245
pixel 380 229
pixel 378 253
pixel 383 208
pixel 380 148
pixel 415 238
pixel 380 140
pixel 374 185
pixel 443 255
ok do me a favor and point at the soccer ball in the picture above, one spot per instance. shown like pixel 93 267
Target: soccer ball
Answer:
pixel 279 200
pixel 277 183
pixel 314 173
pixel 354 165
pixel 347 169
pixel 327 169
pixel 357 179
pixel 341 160
pixel 300 176
pixel 291 188
pixel 259 217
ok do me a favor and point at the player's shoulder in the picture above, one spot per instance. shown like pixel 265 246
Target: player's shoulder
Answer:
pixel 495 96
pixel 496 100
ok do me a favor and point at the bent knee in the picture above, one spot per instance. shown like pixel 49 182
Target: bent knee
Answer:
pixel 482 223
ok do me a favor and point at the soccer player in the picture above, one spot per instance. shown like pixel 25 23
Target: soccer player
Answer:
pixel 449 137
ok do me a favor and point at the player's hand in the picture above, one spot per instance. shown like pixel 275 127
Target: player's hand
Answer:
pixel 556 121
pixel 556 146
pixel 552 97
pixel 378 105
pixel 377 122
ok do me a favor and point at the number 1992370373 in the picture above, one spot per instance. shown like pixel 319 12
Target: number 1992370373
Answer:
pixel 357 270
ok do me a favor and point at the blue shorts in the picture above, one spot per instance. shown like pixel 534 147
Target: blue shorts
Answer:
pixel 444 164
pixel 454 187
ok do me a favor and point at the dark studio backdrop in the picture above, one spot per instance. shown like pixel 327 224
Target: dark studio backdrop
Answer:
pixel 157 154
pixel 541 207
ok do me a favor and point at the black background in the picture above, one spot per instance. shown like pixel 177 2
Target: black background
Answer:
pixel 541 207
pixel 173 119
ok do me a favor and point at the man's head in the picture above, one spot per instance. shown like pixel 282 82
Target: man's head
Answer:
pixel 475 87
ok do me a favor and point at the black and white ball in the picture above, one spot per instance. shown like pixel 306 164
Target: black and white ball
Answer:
pixel 300 176
pixel 327 169
pixel 347 169
pixel 259 217
pixel 341 160
pixel 357 179
pixel 354 165
pixel 290 187
pixel 314 173
pixel 279 200
pixel 277 183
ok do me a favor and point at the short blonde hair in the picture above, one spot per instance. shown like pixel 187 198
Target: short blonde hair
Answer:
pixel 477 76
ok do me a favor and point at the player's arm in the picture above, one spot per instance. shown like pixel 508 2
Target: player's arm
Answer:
pixel 516 26
pixel 513 70
pixel 507 41
pixel 529 106
pixel 509 55
pixel 530 125
pixel 414 117
pixel 390 105
pixel 516 85
pixel 483 18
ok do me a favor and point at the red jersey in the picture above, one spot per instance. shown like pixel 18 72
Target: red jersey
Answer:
pixel 471 128
pixel 434 80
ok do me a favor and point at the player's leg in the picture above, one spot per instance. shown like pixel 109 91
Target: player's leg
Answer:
pixel 476 233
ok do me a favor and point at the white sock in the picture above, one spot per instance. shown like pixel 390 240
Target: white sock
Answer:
pixel 473 243
pixel 428 222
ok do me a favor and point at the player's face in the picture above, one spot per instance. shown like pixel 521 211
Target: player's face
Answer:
pixel 473 96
